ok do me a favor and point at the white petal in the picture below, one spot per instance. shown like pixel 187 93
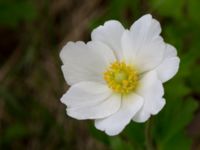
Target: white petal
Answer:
pixel 115 123
pixel 128 47
pixel 85 62
pixel 170 64
pixel 150 56
pixel 151 89
pixel 170 51
pixel 85 93
pixel 110 33
pixel 100 110
pixel 90 100
pixel 144 29
pixel 143 45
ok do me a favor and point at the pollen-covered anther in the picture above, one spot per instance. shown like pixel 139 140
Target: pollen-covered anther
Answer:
pixel 121 78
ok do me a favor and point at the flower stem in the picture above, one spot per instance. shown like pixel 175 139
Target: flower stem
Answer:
pixel 148 138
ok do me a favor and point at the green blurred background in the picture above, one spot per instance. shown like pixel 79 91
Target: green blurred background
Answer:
pixel 31 83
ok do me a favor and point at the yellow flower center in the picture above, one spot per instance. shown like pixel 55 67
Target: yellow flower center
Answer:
pixel 121 78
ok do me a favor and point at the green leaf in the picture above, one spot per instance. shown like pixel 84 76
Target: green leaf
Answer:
pixel 135 132
pixel 117 143
pixel 172 121
pixel 101 136
pixel 195 80
pixel 193 10
pixel 168 8
pixel 179 141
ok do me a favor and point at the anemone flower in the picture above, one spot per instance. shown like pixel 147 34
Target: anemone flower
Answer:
pixel 118 76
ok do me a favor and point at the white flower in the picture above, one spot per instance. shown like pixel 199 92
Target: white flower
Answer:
pixel 118 76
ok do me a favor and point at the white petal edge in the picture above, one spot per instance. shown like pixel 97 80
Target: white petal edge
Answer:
pixel 170 64
pixel 115 123
pixel 110 33
pixel 85 62
pixel 145 28
pixel 103 109
pixel 89 100
pixel 170 51
pixel 151 89
pixel 85 94
pixel 142 45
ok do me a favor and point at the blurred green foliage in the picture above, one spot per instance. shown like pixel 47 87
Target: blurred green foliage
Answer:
pixel 26 116
pixel 12 12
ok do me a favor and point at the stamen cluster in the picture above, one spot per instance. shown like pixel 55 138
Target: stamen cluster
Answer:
pixel 121 78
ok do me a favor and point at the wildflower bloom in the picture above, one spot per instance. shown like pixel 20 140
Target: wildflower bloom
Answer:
pixel 118 76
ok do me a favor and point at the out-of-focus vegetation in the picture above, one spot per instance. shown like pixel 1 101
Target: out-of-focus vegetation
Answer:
pixel 31 83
